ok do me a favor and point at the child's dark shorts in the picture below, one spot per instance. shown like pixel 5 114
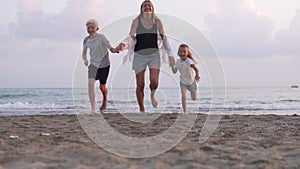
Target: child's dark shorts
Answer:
pixel 100 74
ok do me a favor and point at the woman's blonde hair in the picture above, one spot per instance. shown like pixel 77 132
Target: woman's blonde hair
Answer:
pixel 190 55
pixel 154 17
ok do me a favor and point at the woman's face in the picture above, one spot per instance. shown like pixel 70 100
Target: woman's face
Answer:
pixel 147 7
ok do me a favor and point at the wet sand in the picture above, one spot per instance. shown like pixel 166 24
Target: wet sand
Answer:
pixel 58 141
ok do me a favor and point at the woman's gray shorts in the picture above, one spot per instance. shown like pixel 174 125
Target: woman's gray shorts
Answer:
pixel 140 62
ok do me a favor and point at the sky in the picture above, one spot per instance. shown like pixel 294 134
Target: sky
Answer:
pixel 257 40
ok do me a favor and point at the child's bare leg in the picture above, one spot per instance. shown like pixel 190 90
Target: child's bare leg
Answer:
pixel 104 93
pixel 183 99
pixel 92 95
pixel 194 95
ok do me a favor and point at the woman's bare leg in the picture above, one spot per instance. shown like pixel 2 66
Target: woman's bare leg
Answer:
pixel 140 84
pixel 154 76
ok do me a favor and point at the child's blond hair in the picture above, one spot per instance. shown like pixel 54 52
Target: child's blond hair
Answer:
pixel 93 21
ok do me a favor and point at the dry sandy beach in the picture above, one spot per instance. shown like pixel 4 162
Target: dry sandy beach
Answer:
pixel 58 141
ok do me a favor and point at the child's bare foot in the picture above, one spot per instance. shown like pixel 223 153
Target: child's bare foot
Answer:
pixel 142 110
pixel 153 100
pixel 104 104
pixel 102 108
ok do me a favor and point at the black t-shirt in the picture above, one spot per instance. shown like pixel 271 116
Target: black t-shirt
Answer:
pixel 146 39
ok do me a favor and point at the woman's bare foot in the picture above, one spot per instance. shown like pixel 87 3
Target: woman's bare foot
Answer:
pixel 94 111
pixel 153 100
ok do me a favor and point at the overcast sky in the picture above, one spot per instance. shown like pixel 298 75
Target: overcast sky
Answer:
pixel 257 40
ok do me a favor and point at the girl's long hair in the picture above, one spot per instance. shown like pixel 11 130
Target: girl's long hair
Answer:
pixel 190 55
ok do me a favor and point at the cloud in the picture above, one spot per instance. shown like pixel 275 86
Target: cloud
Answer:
pixel 238 29
pixel 40 49
pixel 69 24
pixel 288 39
pixel 253 53
pixel 43 47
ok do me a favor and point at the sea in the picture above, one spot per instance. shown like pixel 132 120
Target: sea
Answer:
pixel 244 101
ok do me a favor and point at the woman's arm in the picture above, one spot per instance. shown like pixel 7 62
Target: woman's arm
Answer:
pixel 166 43
pixel 134 26
pixel 161 29
pixel 132 33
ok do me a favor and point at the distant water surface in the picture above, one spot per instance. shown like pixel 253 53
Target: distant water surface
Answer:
pixel 38 101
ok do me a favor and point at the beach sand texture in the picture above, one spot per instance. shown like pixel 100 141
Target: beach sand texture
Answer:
pixel 58 141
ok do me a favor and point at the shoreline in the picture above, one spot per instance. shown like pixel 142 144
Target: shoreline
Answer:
pixel 228 113
pixel 240 141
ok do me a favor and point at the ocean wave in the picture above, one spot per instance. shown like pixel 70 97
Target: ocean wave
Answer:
pixel 252 108
pixel 290 100
pixel 12 96
pixel 63 100
pixel 29 105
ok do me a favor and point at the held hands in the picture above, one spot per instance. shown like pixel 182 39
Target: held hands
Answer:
pixel 171 61
pixel 117 49
pixel 120 47
pixel 114 50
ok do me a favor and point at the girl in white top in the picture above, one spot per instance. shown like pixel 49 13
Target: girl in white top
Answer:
pixel 189 73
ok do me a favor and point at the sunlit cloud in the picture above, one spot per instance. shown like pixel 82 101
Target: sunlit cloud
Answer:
pixel 288 39
pixel 237 30
pixel 51 42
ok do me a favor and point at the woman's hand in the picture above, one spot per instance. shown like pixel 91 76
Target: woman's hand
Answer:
pixel 120 47
pixel 171 61
pixel 86 62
